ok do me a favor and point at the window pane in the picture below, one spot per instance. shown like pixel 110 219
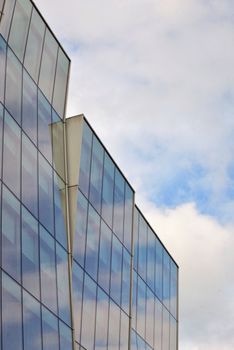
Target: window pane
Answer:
pixel 77 284
pixel 124 331
pixel 91 258
pixel 48 274
pixel 32 323
pixel 46 212
pixel 60 210
pixel 58 144
pixel 19 27
pixel 166 330
pixel 166 279
pixel 48 63
pixel 60 83
pixel 116 267
pixel 44 127
pixel 34 45
pixel 158 325
pixel 6 19
pixel 101 320
pixel 104 257
pixel 80 232
pixel 173 289
pixel 29 175
pixel 108 190
pixel 63 284
pixel 1 136
pixel 134 301
pixel 30 253
pixel 142 248
pixel 65 337
pixel 173 334
pixel 49 330
pixel 150 317
pixel 158 269
pixel 2 67
pixel 96 175
pixel 151 248
pixel 85 160
pixel 136 237
pixel 114 326
pixel 126 281
pixel 29 111
pixel 11 314
pixel 13 86
pixel 11 252
pixel 118 204
pixel 128 212
pixel 141 307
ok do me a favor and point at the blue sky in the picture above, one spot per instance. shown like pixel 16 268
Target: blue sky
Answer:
pixel 156 81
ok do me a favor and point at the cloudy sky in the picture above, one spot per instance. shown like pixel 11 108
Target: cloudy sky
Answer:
pixel 155 78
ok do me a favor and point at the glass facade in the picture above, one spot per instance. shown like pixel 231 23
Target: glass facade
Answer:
pixel 80 267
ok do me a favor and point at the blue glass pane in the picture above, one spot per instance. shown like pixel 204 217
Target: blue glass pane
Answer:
pixel 44 127
pixel 142 253
pixel 48 273
pixel 173 289
pixel 80 231
pixel 11 314
pixel 157 324
pixel 6 19
pixel 29 107
pixel 31 323
pixel 104 257
pixel 125 301
pixel 124 332
pixel 101 320
pixel 108 190
pixel 29 175
pixel 11 253
pixel 2 67
pixel 30 253
pixel 136 238
pixel 141 307
pixel 85 160
pixel 58 144
pixel 11 154
pixel 118 205
pixel 134 301
pixel 65 337
pixel 133 340
pixel 128 212
pixel 49 331
pixel 158 269
pixel 166 279
pixel 96 174
pixel 13 86
pixel 151 256
pixel 114 326
pixel 77 284
pixel 150 317
pixel 1 136
pixel 91 258
pixel 116 267
pixel 60 210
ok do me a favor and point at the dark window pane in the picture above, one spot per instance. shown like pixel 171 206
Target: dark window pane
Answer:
pixel 11 314
pixel 114 326
pixel 29 112
pixel 19 27
pixel 128 212
pixel 44 127
pixel 108 190
pixel 116 267
pixel 60 210
pixel 65 337
pixel 32 323
pixel 91 258
pixel 58 144
pixel 118 204
pixel 13 86
pixel 11 252
pixel 48 273
pixel 6 19
pixel 158 269
pixel 29 175
pixel 126 281
pixel 80 232
pixel 46 212
pixel 166 279
pixel 2 67
pixel 49 331
pixel 60 83
pixel 104 257
pixel 101 320
pixel 96 174
pixel 34 45
pixel 77 284
pixel 85 160
pixel 48 63
pixel 30 253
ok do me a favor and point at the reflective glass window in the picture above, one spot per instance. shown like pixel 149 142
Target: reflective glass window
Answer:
pixel 48 273
pixel 48 63
pixel 60 86
pixel 34 45
pixel 142 253
pixel 88 314
pixel 134 300
pixel 157 324
pixel 31 323
pixel 166 279
pixel 124 331
pixel 50 334
pixel 126 281
pixel 118 204
pixel 11 252
pixel 1 136
pixel 65 337
pixel 29 175
pixel 11 154
pixel 46 212
pixel 151 256
pixel 116 267
pixel 108 190
pixel 114 326
pixel 77 284
pixel 133 340
pixel 44 127
pixel 104 257
pixel 128 211
pixel 158 269
pixel 141 307
pixel 80 231
pixel 11 314
pixel 58 144
pixel 60 210
pixel 29 107
pixel 6 19
pixel 101 320
pixel 136 237
pixel 173 334
pixel 96 174
pixel 141 344
pixel 19 27
pixel 166 330
pixel 63 284
pixel 150 317
pixel 30 253
pixel 2 67
pixel 173 289
pixel 13 86
pixel 85 160
pixel 91 257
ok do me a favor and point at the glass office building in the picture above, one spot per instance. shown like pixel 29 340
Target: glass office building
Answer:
pixel 80 267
